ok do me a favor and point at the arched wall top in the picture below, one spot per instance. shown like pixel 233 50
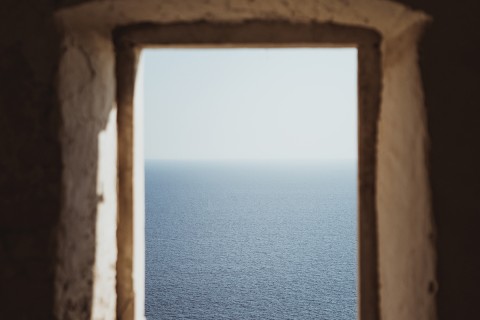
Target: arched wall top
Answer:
pixel 387 17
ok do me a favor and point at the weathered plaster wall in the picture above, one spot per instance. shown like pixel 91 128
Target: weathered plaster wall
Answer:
pixel 385 16
pixel 85 274
pixel 404 220
pixel 30 159
pixel 406 251
pixel 450 68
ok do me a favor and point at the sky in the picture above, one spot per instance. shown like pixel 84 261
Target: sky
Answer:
pixel 250 104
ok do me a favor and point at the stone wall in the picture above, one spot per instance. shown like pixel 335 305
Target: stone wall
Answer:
pixel 85 270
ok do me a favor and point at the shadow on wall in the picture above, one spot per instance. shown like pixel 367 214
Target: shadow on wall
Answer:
pixel 30 160
pixel 450 65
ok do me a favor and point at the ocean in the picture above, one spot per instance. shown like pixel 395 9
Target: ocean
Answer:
pixel 251 240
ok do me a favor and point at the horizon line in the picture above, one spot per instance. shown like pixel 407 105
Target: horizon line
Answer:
pixel 252 159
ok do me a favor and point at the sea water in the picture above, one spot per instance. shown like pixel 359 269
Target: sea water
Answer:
pixel 245 240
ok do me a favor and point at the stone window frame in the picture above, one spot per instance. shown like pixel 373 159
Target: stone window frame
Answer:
pixel 129 41
pixel 86 271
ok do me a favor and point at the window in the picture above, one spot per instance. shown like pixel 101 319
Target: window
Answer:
pixel 394 192
pixel 129 43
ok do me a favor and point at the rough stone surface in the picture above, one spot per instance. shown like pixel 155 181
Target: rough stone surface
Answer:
pixel 450 69
pixel 85 279
pixel 387 17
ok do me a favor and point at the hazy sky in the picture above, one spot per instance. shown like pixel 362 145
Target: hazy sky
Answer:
pixel 250 103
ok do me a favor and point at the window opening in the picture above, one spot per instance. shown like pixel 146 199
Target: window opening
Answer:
pixel 250 183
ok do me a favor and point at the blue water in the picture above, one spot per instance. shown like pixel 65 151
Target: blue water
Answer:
pixel 251 240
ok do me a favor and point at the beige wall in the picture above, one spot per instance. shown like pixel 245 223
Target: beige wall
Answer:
pixel 86 240
pixel 53 186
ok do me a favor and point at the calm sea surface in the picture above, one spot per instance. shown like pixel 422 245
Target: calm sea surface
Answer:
pixel 250 241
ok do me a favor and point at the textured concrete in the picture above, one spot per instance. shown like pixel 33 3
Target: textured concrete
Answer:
pixel 403 197
pixel 387 17
pixel 450 69
pixel 85 274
